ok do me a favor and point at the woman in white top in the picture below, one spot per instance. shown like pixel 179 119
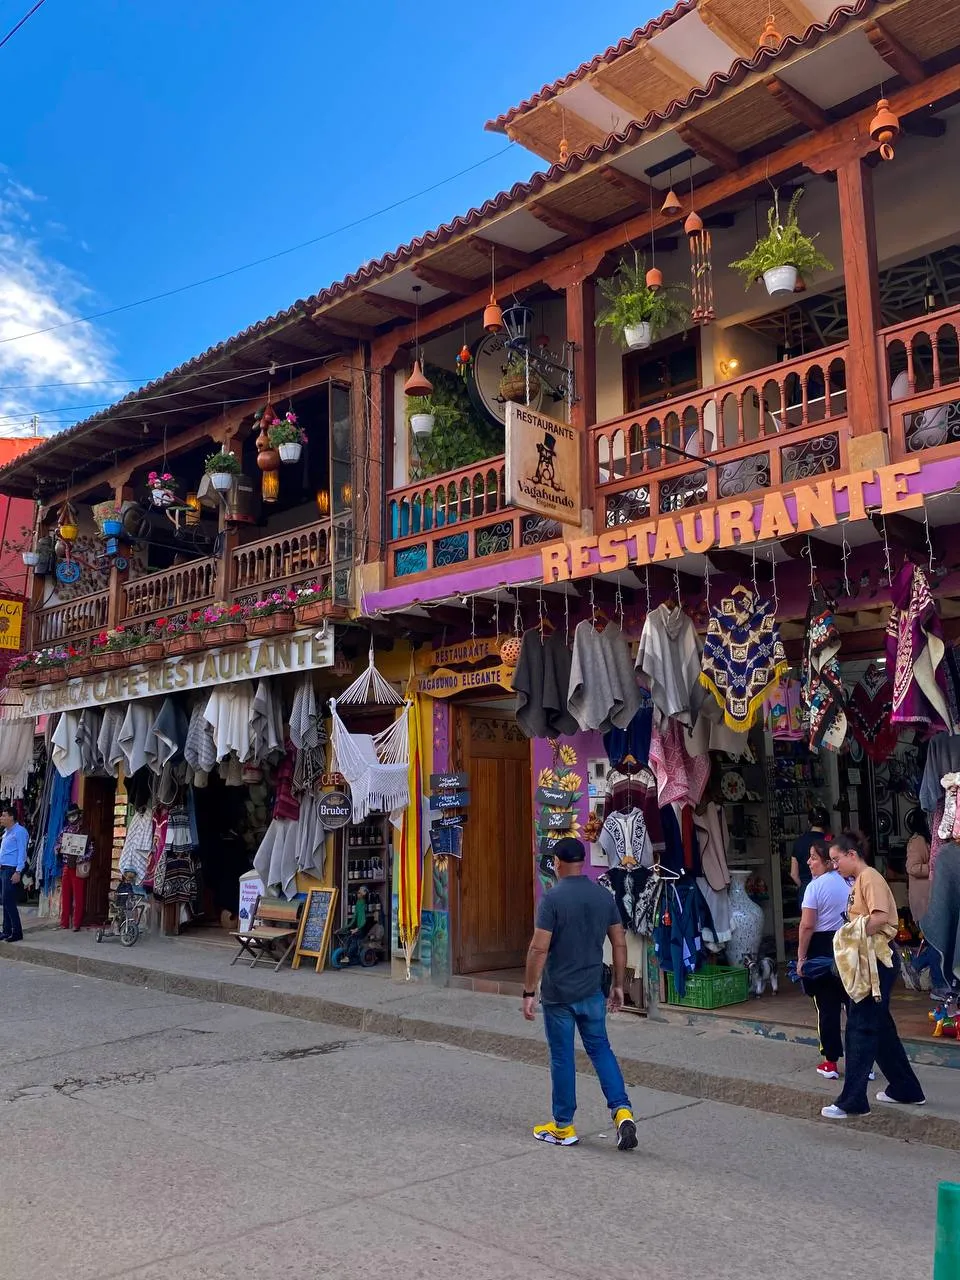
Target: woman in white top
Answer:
pixel 824 903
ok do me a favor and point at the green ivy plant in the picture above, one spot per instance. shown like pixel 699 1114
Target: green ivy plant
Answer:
pixel 460 436
pixel 631 301
pixel 784 245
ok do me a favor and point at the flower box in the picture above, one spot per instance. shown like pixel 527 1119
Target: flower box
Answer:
pixel 29 676
pixel 152 651
pixel 184 642
pixel 101 661
pixel 225 633
pixel 317 610
pixel 271 624
pixel 54 674
pixel 81 667
pixel 14 679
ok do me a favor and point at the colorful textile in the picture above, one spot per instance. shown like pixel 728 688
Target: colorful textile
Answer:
pixel 915 652
pixel 285 803
pixel 869 711
pixel 681 778
pixel 743 656
pixel 823 689
pixel 410 879
pixel 783 711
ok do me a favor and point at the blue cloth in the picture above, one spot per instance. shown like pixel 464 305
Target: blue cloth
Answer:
pixel 59 799
pixel 12 928
pixel 814 967
pixel 633 741
pixel 677 938
pixel 589 1017
pixel 13 848
pixel 929 958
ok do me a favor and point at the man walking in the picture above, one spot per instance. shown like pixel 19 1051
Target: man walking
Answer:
pixel 13 859
pixel 871 1032
pixel 572 921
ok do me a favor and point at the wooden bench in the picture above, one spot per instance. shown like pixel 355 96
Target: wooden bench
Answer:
pixel 274 921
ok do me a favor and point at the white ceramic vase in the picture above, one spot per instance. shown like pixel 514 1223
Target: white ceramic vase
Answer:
pixel 746 920
pixel 638 335
pixel 780 279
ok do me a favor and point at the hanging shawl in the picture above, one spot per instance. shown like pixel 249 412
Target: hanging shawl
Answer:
pixel 376 766
pixel 410 877
pixel 230 712
pixel 915 651
pixel 309 737
pixel 87 733
pixel 267 723
pixel 16 756
pixel 681 777
pixel 869 713
pixel 59 799
pixel 65 753
pixel 137 742
pixel 669 656
pixel 743 656
pixel 200 750
pixel 168 735
pixel 823 692
pixel 108 739
pixel 528 686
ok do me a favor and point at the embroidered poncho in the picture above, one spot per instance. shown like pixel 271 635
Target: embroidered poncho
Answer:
pixel 743 656
pixel 823 689
pixel 915 651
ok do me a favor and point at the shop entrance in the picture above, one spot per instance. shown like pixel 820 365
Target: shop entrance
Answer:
pixel 496 871
pixel 99 801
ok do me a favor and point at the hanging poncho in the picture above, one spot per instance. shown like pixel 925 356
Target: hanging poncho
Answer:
pixel 823 691
pixel 915 651
pixel 743 656
pixel 669 656
pixel 869 713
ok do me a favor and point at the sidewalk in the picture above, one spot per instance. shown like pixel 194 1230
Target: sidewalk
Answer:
pixel 715 1059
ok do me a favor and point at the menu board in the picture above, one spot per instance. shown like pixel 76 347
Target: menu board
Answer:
pixel 316 925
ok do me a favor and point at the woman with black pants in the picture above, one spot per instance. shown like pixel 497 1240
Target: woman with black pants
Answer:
pixel 824 902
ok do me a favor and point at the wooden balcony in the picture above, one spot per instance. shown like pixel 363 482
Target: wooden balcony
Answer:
pixel 71 622
pixel 458 517
pixel 169 591
pixel 300 555
pixel 922 359
pixel 784 423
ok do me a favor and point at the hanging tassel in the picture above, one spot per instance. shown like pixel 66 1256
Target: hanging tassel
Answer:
pixel 701 277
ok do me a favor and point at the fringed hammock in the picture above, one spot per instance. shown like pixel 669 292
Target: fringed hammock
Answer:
pixel 375 765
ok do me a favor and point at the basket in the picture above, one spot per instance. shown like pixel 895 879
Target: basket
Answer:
pixel 712 987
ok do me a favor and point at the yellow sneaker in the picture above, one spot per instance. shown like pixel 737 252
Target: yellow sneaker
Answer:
pixel 626 1129
pixel 557 1135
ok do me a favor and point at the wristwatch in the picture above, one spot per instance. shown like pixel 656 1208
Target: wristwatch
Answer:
pixel 529 995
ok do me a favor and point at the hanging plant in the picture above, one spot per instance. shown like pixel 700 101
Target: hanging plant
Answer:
pixel 517 380
pixel 287 437
pixel 162 487
pixel 107 516
pixel 637 311
pixel 421 415
pixel 221 467
pixel 67 529
pixel 783 253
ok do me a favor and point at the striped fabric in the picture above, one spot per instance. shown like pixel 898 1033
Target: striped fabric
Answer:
pixel 410 878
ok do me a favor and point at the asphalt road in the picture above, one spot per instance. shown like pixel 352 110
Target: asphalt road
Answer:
pixel 152 1136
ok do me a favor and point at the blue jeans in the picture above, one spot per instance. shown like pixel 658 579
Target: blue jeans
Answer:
pixel 929 958
pixel 12 927
pixel 589 1017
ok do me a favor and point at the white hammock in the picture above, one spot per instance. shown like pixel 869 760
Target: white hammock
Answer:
pixel 375 765
pixel 370 687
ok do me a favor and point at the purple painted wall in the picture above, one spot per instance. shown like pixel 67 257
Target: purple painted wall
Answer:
pixel 563 765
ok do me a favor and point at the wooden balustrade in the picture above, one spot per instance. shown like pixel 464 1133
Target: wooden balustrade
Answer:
pixel 299 555
pixel 74 620
pixel 922 362
pixel 447 499
pixel 170 591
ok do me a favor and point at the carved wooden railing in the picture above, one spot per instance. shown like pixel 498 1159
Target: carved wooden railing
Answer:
pixel 922 362
pixel 770 427
pixel 77 619
pixel 170 591
pixel 299 555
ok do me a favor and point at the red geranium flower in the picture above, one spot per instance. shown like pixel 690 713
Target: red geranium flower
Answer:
pixel 161 623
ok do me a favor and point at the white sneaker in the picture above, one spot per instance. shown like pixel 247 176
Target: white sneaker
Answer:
pixel 833 1113
pixel 872 1075
pixel 883 1096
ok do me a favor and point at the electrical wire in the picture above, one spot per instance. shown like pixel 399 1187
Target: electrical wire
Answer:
pixel 26 17
pixel 257 262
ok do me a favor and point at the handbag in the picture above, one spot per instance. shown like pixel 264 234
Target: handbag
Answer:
pixel 83 868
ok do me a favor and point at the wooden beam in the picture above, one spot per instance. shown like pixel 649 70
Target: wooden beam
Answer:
pixel 557 220
pixel 894 53
pixel 390 306
pixel 345 328
pixel 921 126
pixel 709 148
pixel 640 192
pixel 682 81
pixel 635 110
pixel 594 135
pixel 506 255
pixel 444 279
pixel 797 104
pixel 726 31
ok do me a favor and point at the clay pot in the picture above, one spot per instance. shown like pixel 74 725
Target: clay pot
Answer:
pixel 271 624
pixel 268 459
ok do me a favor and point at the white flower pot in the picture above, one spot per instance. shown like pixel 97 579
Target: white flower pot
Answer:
pixel 421 424
pixel 221 480
pixel 780 279
pixel 163 497
pixel 290 452
pixel 31 558
pixel 638 335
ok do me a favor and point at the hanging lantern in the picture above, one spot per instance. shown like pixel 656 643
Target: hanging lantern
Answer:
pixel 192 514
pixel 701 277
pixel 270 485
pixel 885 128
pixel 654 278
pixel 770 37
pixel 323 502
pixel 671 204
pixel 418 384
pixel 693 224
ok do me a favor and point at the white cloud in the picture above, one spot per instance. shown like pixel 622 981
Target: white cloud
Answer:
pixel 38 291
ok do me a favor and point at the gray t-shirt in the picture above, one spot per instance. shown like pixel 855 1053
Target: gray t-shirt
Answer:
pixel 578 914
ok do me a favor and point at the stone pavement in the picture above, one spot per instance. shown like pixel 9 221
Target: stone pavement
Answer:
pixel 706 1060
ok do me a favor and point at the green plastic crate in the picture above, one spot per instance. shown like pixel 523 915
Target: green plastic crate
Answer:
pixel 712 987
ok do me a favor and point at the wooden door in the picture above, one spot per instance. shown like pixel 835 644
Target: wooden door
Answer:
pixel 98 801
pixel 496 871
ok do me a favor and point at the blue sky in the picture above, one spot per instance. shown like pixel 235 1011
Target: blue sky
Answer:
pixel 148 144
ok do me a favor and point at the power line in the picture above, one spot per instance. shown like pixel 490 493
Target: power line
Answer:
pixel 13 30
pixel 257 262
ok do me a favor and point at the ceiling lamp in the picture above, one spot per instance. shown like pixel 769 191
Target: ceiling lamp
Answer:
pixel 492 315
pixel 770 37
pixel 693 224
pixel 885 128
pixel 654 278
pixel 418 384
pixel 270 485
pixel 671 205
pixel 518 322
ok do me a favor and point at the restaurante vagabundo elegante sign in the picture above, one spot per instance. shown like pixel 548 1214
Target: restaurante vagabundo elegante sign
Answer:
pixel 730 524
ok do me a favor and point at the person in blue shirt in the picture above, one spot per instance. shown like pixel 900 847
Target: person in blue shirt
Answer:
pixel 13 859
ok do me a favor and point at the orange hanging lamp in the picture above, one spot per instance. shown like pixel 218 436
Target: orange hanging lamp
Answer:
pixel 492 315
pixel 418 384
pixel 885 129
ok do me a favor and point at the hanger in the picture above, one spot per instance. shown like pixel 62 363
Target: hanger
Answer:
pixel 664 873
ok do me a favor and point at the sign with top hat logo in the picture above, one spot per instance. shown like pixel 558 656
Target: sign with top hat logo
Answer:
pixel 542 464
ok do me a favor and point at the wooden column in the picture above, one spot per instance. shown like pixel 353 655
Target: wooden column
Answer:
pixel 866 381
pixel 122 492
pixel 229 534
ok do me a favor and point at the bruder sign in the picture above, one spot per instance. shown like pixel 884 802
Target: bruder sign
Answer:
pixel 731 524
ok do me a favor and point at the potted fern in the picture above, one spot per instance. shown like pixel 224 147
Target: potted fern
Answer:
pixel 639 313
pixel 784 253
pixel 422 415
pixel 221 467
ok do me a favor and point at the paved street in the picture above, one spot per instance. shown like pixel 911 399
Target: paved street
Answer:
pixel 153 1136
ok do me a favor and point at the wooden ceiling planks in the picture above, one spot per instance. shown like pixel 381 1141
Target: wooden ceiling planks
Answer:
pixel 928 28
pixel 642 81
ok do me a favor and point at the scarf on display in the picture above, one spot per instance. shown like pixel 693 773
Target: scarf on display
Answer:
pixel 16 756
pixel 603 691
pixel 267 723
pixel 309 736
pixel 541 681
pixel 743 656
pixel 669 656
pixel 681 777
pixel 869 713
pixel 915 651
pixel 824 693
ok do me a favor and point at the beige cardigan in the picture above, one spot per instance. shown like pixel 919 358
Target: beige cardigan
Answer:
pixel 918 869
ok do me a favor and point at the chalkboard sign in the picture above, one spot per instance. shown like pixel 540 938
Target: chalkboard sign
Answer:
pixel 450 800
pixel 554 797
pixel 557 821
pixel 316 925
pixel 448 781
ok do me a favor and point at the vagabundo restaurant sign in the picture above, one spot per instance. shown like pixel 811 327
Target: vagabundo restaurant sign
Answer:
pixel 266 656
pixel 732 524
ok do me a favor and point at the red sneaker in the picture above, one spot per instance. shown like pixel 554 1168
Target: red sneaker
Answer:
pixel 828 1070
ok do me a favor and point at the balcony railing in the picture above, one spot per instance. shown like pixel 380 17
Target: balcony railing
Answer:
pixel 922 360
pixel 300 555
pixel 170 591
pixel 77 619
pixel 456 518
pixel 767 428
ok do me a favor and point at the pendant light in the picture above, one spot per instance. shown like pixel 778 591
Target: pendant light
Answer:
pixel 654 274
pixel 492 315
pixel 671 205
pixel 418 384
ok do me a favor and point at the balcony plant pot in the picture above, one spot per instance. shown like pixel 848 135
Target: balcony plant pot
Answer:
pixel 271 624
pixel 162 497
pixel 225 633
pixel 221 480
pixel 118 658
pixel 185 642
pixel 312 611
pixel 54 674
pixel 29 676
pixel 290 452
pixel 14 679
pixel 780 279
pixel 101 661
pixel 112 528
pixel 152 651
pixel 637 336
pixel 81 667
pixel 422 424
pixel 513 386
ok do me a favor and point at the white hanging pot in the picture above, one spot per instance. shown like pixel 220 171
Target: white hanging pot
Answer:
pixel 638 335
pixel 163 497
pixel 421 424
pixel 221 480
pixel 31 558
pixel 290 452
pixel 780 279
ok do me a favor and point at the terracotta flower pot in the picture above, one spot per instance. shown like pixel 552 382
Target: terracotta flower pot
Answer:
pixel 271 624
pixel 101 661
pixel 118 658
pixel 29 677
pixel 14 679
pixel 225 633
pixel 54 675
pixel 153 651
pixel 314 611
pixel 184 642
pixel 81 667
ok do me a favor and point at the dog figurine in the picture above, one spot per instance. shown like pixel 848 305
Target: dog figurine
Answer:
pixel 761 970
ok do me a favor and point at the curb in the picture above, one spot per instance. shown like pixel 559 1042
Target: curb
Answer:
pixel 776 1099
